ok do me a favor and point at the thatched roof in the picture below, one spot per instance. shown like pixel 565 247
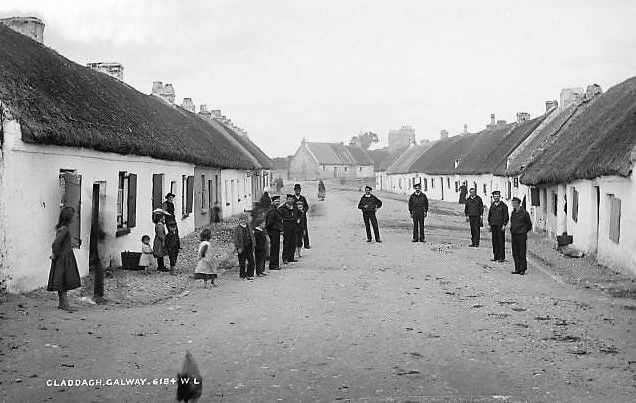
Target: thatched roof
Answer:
pixel 379 156
pixel 338 154
pixel 384 165
pixel 402 164
pixel 440 158
pixel 263 160
pixel 59 102
pixel 599 142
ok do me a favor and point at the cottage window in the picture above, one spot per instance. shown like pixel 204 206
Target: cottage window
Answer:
pixel 456 186
pixel 554 204
pixel 323 167
pixel 456 164
pixel 126 202
pixel 448 183
pixel 173 187
pixel 203 198
pixel 509 191
pixel 535 200
pixel 575 205
pixel 425 185
pixel 400 183
pixel 360 169
pixel 157 190
pixel 345 169
pixel 516 182
pixel 227 199
pixel 615 219
pixel 432 184
pixel 475 186
pixel 187 199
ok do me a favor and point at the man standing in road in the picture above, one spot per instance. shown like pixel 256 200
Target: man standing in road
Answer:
pixel 298 197
pixel 498 219
pixel 474 211
pixel 274 226
pixel 418 208
pixel 520 225
pixel 369 204
pixel 291 219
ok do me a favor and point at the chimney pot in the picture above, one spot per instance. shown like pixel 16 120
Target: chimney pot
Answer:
pixel 492 119
pixel 157 88
pixel 443 134
pixel 549 105
pixel 113 69
pixel 188 105
pixel 168 93
pixel 522 117
pixel 593 90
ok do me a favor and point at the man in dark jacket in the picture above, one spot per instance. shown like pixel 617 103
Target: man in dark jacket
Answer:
pixel 520 225
pixel 474 210
pixel 369 204
pixel 498 219
pixel 298 197
pixel 418 208
pixel 291 219
pixel 274 226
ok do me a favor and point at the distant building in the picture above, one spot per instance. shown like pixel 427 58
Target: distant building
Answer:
pixel 330 160
pixel 111 68
pixel 401 138
pixel 30 26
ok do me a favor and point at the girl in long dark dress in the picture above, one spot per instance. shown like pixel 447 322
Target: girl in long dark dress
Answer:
pixel 64 275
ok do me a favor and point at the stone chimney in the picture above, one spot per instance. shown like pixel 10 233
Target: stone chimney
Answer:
pixel 30 26
pixel 465 129
pixel 168 93
pixel 113 69
pixel 549 105
pixel 204 112
pixel 571 95
pixel 501 122
pixel 216 114
pixel 522 117
pixel 593 90
pixel 492 119
pixel 443 134
pixel 187 104
pixel 157 88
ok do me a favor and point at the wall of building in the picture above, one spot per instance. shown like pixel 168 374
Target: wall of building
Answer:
pixel 364 171
pixel 31 178
pixel 304 166
pixel 206 194
pixel 237 192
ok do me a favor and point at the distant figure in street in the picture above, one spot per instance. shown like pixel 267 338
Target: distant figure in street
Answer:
pixel 158 244
pixel 206 269
pixel 173 244
pixel 300 229
pixel 369 204
pixel 498 219
pixel 291 218
pixel 474 211
pixel 244 243
pixel 299 197
pixel 260 246
pixel 64 275
pixel 418 208
pixel 274 226
pixel 520 225
pixel 322 191
pixel 216 213
pixel 146 259
pixel 462 194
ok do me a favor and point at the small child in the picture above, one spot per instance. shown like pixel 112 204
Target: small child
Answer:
pixel 173 244
pixel 244 243
pixel 260 249
pixel 147 258
pixel 300 231
pixel 206 267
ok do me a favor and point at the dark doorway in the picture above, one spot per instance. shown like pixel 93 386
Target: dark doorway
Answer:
pixel 441 182
pixel 93 254
pixel 597 213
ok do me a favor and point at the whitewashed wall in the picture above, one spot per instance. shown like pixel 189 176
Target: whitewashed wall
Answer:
pixel 236 192
pixel 364 171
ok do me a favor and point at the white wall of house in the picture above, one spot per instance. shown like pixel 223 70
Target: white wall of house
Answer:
pixel 381 181
pixel 31 197
pixel 237 192
pixel 363 171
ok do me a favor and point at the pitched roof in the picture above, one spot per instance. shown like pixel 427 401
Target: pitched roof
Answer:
pixel 601 141
pixel 402 164
pixel 62 103
pixel 440 158
pixel 338 154
pixel 263 160
pixel 379 157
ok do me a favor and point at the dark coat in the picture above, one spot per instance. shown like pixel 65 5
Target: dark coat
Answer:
pixel 304 200
pixel 243 237
pixel 169 207
pixel 172 242
pixel 260 238
pixel 418 204
pixel 273 219
pixel 289 214
pixel 474 207
pixel 369 204
pixel 498 215
pixel 64 274
pixel 520 222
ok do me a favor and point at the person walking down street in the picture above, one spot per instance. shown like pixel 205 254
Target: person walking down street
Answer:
pixel 462 194
pixel 63 275
pixel 299 197
pixel 260 246
pixel 322 191
pixel 158 245
pixel 173 244
pixel 369 204
pixel 244 243
pixel 274 226
pixel 498 219
pixel 474 211
pixel 418 208
pixel 291 218
pixel 520 225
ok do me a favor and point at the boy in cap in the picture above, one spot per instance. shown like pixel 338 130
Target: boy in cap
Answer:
pixel 291 219
pixel 520 225
pixel 244 243
pixel 260 246
pixel 418 208
pixel 298 197
pixel 498 219
pixel 274 226
pixel 474 210
pixel 369 204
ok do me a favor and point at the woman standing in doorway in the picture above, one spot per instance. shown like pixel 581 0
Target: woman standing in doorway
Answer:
pixel 64 275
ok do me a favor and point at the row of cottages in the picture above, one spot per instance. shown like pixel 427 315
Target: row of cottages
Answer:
pixel 314 161
pixel 73 136
pixel 397 178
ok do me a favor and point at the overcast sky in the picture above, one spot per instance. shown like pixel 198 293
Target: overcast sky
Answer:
pixel 327 70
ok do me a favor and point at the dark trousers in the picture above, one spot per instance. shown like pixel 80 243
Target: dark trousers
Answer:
pixel 247 255
pixel 370 220
pixel 418 227
pixel 498 242
pixel 305 233
pixel 300 233
pixel 274 251
pixel 259 256
pixel 289 241
pixel 172 256
pixel 519 244
pixel 161 266
pixel 475 222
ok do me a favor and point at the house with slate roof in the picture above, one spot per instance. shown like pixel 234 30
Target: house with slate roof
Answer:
pixel 70 135
pixel 330 160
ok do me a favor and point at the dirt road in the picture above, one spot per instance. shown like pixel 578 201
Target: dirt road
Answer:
pixel 396 321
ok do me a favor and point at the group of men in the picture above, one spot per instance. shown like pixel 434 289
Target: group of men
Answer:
pixel 290 220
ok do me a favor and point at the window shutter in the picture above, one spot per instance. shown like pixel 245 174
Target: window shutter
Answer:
pixel 615 219
pixel 132 200
pixel 190 194
pixel 73 198
pixel 534 197
pixel 157 191
pixel 575 205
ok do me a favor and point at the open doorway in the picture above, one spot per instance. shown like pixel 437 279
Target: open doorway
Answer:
pixel 96 265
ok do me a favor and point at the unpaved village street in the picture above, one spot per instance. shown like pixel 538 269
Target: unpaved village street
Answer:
pixel 391 321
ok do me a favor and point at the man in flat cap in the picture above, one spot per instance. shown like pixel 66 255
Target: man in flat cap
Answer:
pixel 498 219
pixel 418 208
pixel 291 219
pixel 474 211
pixel 369 204
pixel 520 225
pixel 274 226
pixel 298 197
